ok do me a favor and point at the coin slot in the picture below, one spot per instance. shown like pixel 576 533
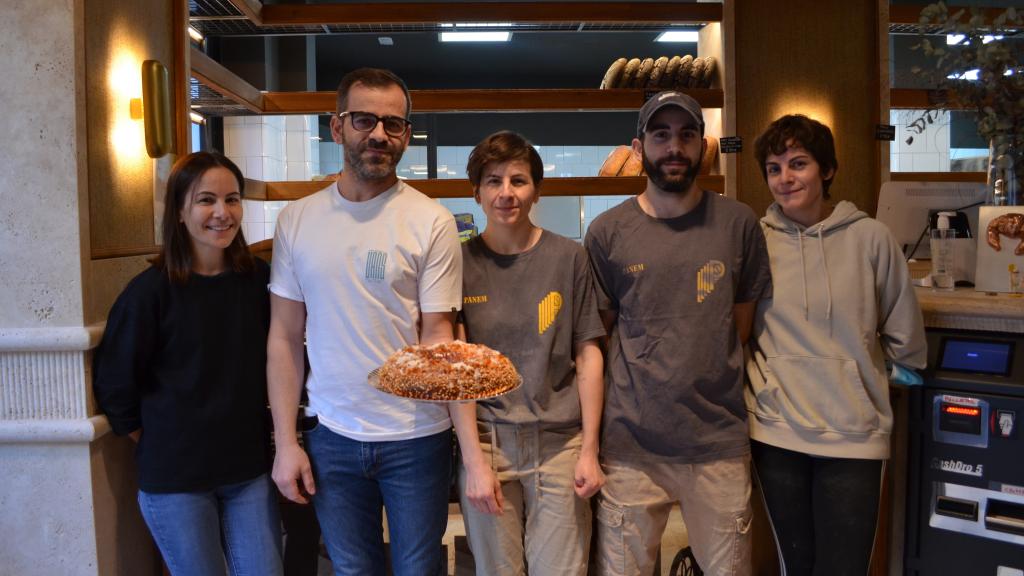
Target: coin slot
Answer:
pixel 957 508
pixel 1005 516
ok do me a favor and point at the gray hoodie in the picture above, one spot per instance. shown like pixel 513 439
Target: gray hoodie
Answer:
pixel 843 303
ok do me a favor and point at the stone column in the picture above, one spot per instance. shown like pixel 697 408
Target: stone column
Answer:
pixel 66 503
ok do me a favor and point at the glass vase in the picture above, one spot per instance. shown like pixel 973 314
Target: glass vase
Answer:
pixel 1005 168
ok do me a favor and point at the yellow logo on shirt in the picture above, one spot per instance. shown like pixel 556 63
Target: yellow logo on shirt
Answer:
pixel 707 276
pixel 474 299
pixel 547 310
pixel 633 269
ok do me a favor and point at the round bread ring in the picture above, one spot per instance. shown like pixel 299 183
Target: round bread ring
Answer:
pixel 683 75
pixel 613 163
pixel 707 162
pixel 614 73
pixel 632 67
pixel 646 65
pixel 709 72
pixel 668 79
pixel 654 80
pixel 696 73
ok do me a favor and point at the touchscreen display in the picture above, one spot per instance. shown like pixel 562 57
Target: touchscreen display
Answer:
pixel 976 356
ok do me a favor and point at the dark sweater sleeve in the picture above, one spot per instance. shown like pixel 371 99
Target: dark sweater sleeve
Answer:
pixel 126 349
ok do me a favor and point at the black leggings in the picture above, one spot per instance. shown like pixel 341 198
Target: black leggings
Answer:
pixel 823 510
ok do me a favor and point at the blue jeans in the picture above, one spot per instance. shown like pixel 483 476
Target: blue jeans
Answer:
pixel 354 479
pixel 198 531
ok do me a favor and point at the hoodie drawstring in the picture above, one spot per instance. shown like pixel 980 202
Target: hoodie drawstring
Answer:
pixel 803 271
pixel 824 263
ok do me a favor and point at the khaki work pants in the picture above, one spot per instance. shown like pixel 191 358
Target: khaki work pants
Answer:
pixel 544 526
pixel 634 505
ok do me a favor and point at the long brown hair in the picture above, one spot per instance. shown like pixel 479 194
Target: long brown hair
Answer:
pixel 176 256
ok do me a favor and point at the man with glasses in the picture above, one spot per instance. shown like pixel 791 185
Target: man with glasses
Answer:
pixel 360 269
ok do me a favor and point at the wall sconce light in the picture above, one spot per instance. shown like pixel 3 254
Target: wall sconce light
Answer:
pixel 155 109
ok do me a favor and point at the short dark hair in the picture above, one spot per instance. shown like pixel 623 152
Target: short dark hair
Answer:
pixel 501 147
pixel 371 78
pixel 176 254
pixel 798 130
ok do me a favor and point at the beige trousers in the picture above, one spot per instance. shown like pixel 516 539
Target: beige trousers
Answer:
pixel 634 505
pixel 544 526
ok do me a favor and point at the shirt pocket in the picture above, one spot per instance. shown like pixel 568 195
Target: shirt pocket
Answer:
pixel 824 394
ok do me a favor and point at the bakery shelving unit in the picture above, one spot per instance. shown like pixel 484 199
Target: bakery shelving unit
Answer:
pixel 712 41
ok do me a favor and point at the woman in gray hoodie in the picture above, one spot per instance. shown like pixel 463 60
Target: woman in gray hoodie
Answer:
pixel 818 396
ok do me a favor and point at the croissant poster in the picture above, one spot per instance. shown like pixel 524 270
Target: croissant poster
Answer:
pixel 1000 249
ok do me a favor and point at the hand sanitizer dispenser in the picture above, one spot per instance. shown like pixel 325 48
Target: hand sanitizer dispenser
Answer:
pixel 942 253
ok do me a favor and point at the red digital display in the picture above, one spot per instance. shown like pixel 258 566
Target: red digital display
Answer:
pixel 961 410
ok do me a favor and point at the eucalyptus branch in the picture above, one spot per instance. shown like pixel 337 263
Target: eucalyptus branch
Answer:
pixel 997 96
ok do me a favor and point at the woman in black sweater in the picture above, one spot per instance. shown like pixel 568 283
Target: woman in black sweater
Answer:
pixel 182 370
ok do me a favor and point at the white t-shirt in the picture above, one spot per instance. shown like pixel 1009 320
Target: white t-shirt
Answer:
pixel 366 270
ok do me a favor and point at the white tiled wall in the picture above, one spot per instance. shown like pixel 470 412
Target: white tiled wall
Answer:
pixel 273 148
pixel 330 157
pixel 451 160
pixel 929 151
pixel 594 205
pixel 259 219
pixel 562 214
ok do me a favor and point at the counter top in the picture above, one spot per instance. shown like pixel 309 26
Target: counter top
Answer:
pixel 968 309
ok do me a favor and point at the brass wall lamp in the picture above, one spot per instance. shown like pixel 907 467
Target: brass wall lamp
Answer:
pixel 155 109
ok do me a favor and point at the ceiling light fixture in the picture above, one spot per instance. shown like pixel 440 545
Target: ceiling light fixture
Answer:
pixel 504 36
pixel 483 24
pixel 195 34
pixel 677 36
pixel 955 39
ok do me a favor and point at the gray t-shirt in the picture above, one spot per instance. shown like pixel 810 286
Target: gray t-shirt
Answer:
pixel 533 307
pixel 674 372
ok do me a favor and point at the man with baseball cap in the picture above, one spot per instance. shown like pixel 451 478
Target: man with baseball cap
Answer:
pixel 681 270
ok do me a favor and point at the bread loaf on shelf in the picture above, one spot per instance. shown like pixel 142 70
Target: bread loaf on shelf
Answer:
pixel 646 65
pixel 615 160
pixel 632 67
pixel 654 80
pixel 662 73
pixel 709 72
pixel 668 80
pixel 614 74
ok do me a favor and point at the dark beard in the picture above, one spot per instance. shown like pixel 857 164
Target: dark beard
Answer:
pixel 675 184
pixel 370 171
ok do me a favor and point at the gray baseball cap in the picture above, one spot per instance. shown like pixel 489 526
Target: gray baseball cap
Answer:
pixel 669 98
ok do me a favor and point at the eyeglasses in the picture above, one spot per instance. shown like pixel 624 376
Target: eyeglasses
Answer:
pixel 367 122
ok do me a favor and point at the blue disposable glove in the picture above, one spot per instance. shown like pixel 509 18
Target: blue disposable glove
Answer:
pixel 900 374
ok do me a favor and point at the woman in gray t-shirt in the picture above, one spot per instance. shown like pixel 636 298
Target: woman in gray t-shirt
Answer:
pixel 529 458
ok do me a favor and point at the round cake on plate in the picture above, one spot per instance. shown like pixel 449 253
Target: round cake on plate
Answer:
pixel 448 371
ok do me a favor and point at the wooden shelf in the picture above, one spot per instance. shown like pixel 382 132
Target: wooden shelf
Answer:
pixel 518 12
pixel 911 13
pixel 938 177
pixel 922 99
pixel 491 100
pixel 460 188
